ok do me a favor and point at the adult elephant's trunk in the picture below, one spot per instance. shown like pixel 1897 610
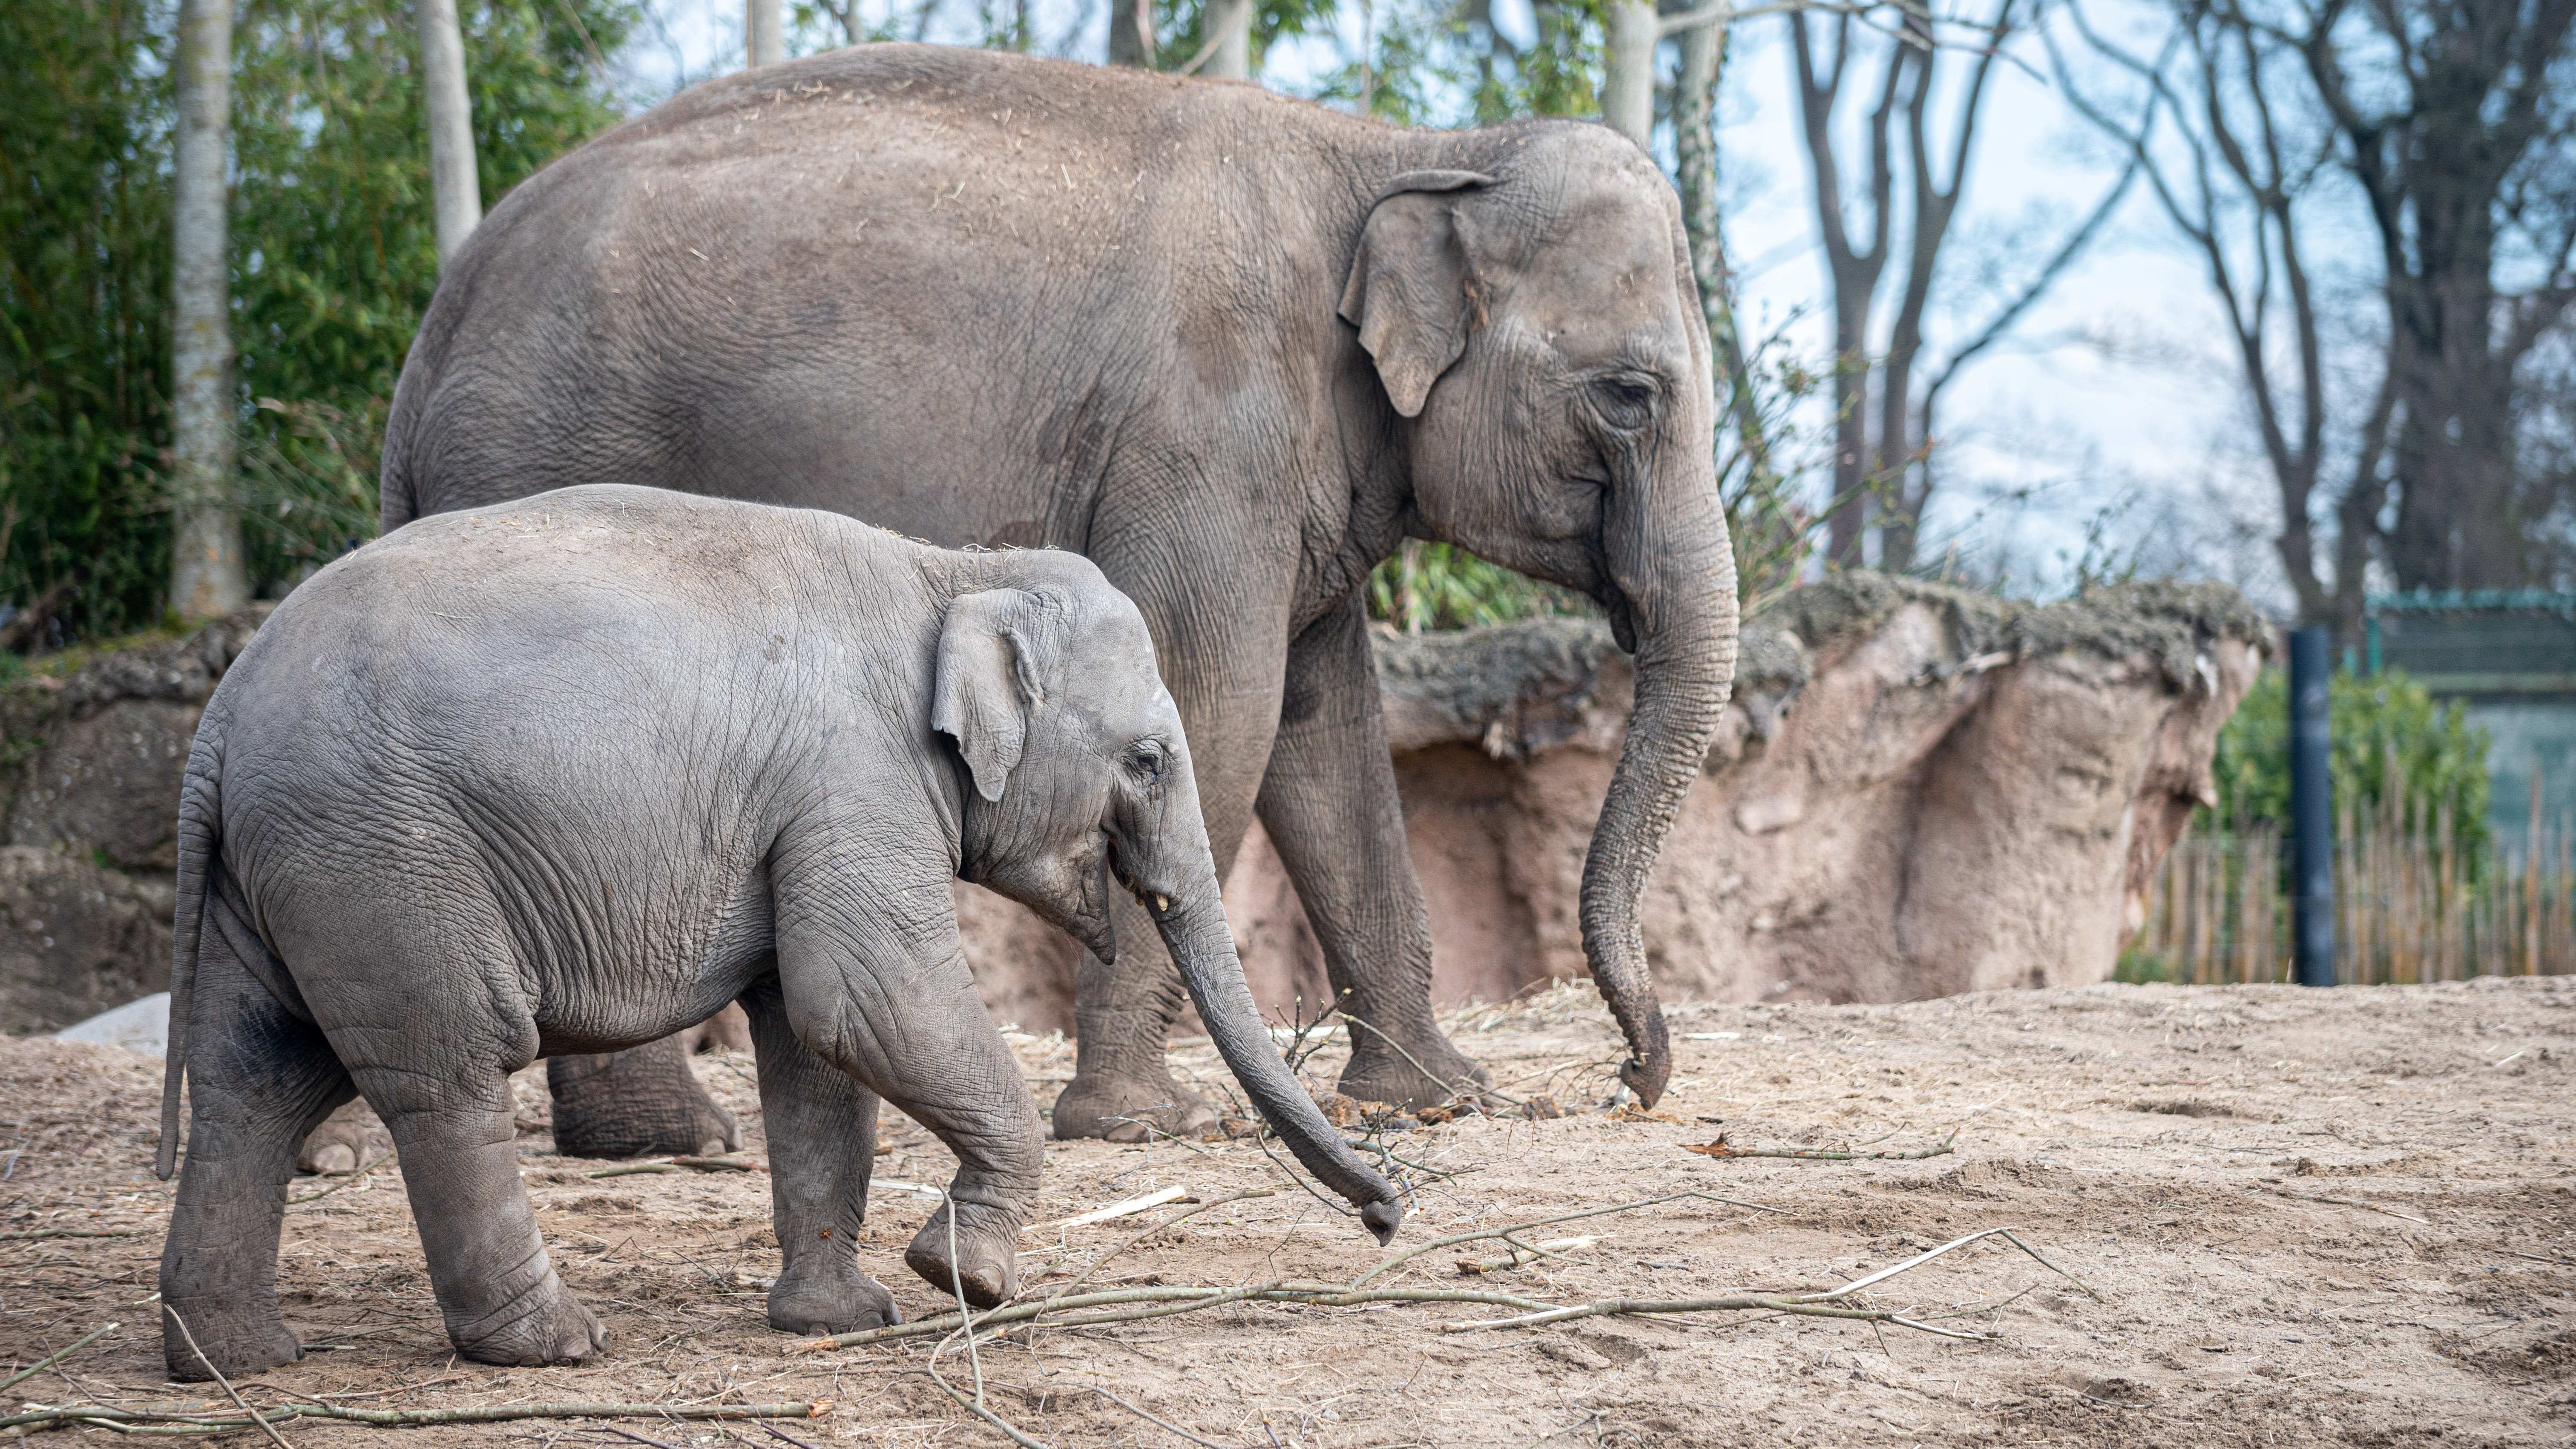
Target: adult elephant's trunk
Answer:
pixel 1675 571
pixel 1193 926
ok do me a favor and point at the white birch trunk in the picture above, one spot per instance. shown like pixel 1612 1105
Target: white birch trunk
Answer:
pixel 1628 69
pixel 454 190
pixel 764 33
pixel 1230 24
pixel 206 574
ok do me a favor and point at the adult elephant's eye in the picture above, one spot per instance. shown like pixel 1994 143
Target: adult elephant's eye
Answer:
pixel 1626 403
pixel 1145 761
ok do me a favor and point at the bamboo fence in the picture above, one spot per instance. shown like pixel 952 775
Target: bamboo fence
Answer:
pixel 2410 904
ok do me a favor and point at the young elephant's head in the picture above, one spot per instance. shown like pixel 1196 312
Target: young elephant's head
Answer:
pixel 1078 772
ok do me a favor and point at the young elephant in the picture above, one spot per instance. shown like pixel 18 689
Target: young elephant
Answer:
pixel 568 774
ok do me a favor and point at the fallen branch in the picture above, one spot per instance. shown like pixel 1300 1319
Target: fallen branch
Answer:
pixel 682 1164
pixel 1506 1233
pixel 265 1427
pixel 380 1161
pixel 42 1364
pixel 1150 1419
pixel 1521 1257
pixel 1809 1304
pixel 73 1233
pixel 217 1422
pixel 1721 1148
pixel 2352 1202
pixel 1129 1208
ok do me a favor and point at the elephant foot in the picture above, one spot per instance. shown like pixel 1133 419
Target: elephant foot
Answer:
pixel 554 1328
pixel 641 1102
pixel 847 1302
pixel 986 1268
pixel 346 1140
pixel 1379 1073
pixel 1130 1108
pixel 225 1343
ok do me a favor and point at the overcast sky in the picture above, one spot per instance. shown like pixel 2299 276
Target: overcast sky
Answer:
pixel 2110 419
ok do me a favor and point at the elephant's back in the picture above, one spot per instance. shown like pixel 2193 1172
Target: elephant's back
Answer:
pixel 873 280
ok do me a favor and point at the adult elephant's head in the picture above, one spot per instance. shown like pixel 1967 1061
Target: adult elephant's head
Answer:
pixel 1536 326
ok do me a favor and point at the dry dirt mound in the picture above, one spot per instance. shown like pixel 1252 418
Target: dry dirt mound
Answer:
pixel 2340 1217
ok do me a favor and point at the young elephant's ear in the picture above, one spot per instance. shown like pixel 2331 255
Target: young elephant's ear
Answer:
pixel 1411 284
pixel 988 683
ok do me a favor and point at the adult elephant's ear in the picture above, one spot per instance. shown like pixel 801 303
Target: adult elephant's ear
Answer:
pixel 1409 287
pixel 988 683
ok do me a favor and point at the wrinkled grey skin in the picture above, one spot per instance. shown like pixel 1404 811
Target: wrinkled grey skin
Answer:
pixel 1231 346
pixel 567 774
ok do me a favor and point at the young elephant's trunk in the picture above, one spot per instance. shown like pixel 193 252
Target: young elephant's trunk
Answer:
pixel 1194 927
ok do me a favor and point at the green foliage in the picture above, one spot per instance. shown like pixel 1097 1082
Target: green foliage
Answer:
pixel 1180 30
pixel 2388 736
pixel 84 330
pixel 1441 586
pixel 2140 968
pixel 335 245
pixel 1442 63
pixel 334 260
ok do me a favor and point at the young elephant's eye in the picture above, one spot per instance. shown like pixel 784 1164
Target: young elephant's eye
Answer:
pixel 1625 402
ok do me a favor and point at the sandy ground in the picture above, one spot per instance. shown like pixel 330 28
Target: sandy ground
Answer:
pixel 2339 1217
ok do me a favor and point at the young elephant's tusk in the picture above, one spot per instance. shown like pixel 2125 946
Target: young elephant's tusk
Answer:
pixel 1163 904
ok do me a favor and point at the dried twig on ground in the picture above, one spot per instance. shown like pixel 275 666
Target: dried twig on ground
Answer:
pixel 380 1161
pixel 682 1164
pixel 1507 1233
pixel 1813 1304
pixel 42 1364
pixel 1520 1257
pixel 1103 1260
pixel 1456 1089
pixel 106 1416
pixel 1722 1148
pixel 238 1402
pixel 2351 1202
pixel 1150 1419
pixel 73 1233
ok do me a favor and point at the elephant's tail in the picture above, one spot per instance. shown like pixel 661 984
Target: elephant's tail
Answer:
pixel 200 851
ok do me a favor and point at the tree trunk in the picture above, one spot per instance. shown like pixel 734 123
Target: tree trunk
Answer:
pixel 764 35
pixel 1628 70
pixel 1229 24
pixel 206 574
pixel 1131 33
pixel 454 190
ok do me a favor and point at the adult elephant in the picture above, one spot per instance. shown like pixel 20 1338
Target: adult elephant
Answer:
pixel 1231 346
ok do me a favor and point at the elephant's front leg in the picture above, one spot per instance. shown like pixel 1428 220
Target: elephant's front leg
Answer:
pixel 822 1128
pixel 879 988
pixel 1330 805
pixel 496 1288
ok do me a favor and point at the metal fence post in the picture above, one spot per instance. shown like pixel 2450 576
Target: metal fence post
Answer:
pixel 2312 807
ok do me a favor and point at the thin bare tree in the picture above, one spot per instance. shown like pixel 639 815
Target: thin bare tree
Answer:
pixel 455 193
pixel 2237 176
pixel 1885 395
pixel 207 577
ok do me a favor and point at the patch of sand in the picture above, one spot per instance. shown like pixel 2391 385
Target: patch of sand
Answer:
pixel 2342 1217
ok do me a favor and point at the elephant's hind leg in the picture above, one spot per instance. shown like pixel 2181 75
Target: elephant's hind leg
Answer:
pixel 639 1102
pixel 259 1079
pixel 447 1105
pixel 822 1128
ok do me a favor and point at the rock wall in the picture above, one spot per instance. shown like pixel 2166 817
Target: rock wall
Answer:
pixel 89 787
pixel 1916 791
